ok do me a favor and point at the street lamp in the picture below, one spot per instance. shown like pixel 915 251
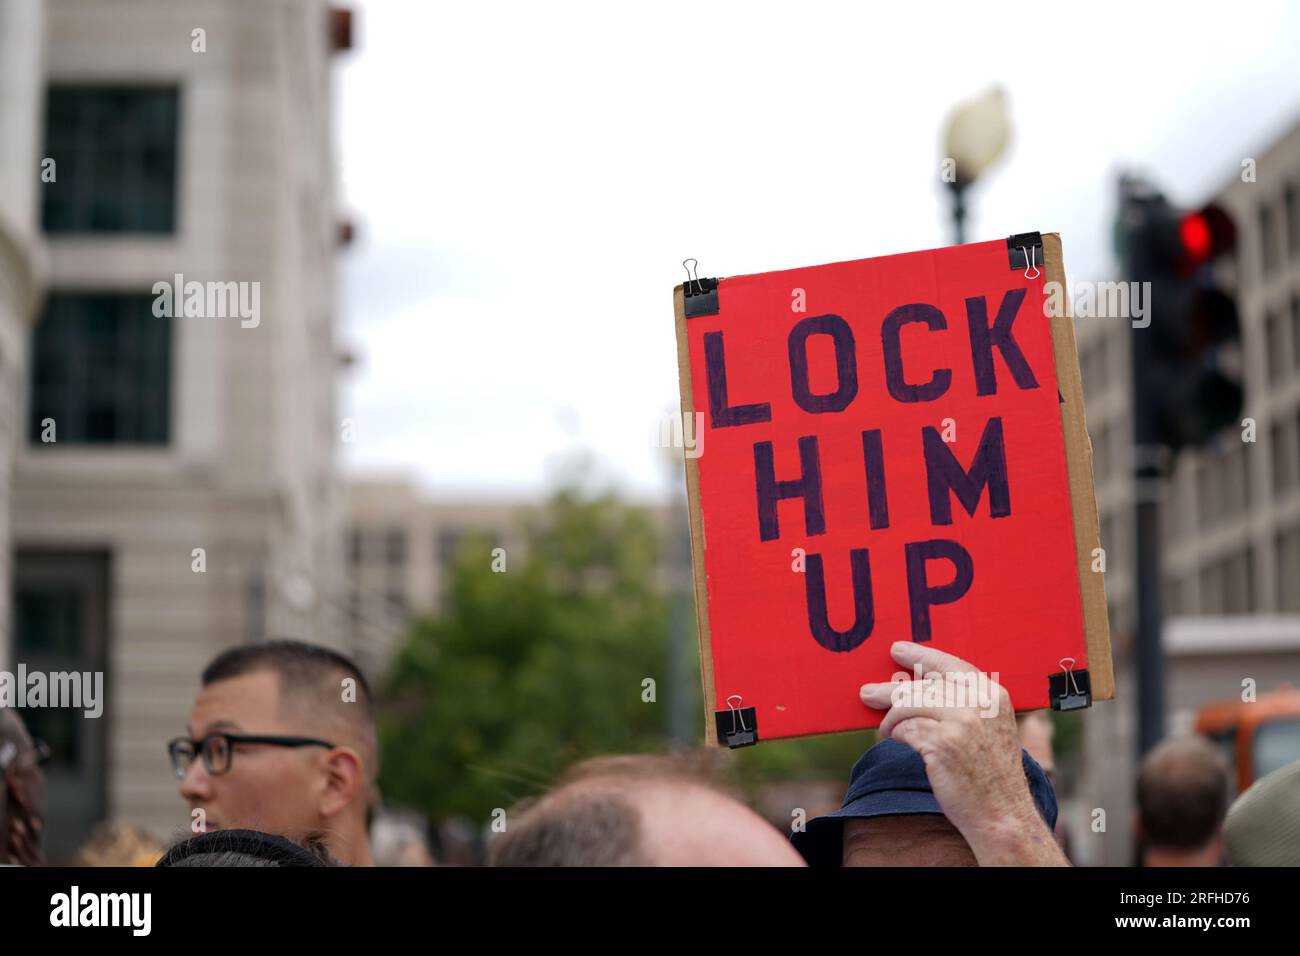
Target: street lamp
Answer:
pixel 976 135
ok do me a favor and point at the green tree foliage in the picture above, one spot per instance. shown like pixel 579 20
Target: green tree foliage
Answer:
pixel 532 668
pixel 526 671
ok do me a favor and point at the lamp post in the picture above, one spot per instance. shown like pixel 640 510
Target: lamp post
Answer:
pixel 975 136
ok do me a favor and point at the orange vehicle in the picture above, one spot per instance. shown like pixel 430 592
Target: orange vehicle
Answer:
pixel 1257 737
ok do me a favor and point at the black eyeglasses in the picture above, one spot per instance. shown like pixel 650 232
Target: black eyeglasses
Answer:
pixel 218 748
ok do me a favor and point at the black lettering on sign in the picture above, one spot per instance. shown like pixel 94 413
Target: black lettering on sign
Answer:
pixel 864 619
pixel 846 364
pixel 873 460
pixel 721 414
pixel 890 339
pixel 943 473
pixel 984 339
pixel 807 486
pixel 920 595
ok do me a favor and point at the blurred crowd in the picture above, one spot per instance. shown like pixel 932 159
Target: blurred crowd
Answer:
pixel 279 767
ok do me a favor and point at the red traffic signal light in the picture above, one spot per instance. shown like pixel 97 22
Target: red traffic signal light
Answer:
pixel 1203 236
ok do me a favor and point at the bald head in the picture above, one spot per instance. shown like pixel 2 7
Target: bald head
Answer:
pixel 639 811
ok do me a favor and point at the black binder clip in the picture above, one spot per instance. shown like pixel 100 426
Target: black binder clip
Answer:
pixel 701 295
pixel 1025 251
pixel 737 726
pixel 1070 689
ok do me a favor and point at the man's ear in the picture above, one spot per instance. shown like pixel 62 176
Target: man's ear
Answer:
pixel 345 782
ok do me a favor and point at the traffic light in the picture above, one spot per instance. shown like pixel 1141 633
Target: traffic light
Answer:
pixel 1184 389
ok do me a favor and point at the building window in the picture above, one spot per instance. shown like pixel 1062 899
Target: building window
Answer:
pixel 1295 330
pixel 397 607
pixel 101 371
pixel 446 549
pixel 395 546
pixel 1273 346
pixel 1210 588
pixel 448 546
pixel 1287 553
pixel 1209 498
pixel 1294 471
pixel 1281 456
pixel 1239 584
pixel 61 626
pixel 1267 239
pixel 1232 475
pixel 115 155
pixel 1292 212
pixel 1243 476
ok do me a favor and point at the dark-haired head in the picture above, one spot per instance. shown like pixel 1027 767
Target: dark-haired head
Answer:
pixel 1182 798
pixel 300 665
pixel 247 848
pixel 281 739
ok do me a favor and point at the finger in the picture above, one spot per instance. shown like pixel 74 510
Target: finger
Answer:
pixel 910 654
pixel 882 696
pixel 914 732
pixel 901 712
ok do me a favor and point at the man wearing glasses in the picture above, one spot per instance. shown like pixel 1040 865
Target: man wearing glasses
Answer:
pixel 281 739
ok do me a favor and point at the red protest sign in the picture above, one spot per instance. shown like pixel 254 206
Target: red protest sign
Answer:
pixel 888 449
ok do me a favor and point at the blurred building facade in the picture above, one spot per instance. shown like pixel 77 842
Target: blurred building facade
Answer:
pixel 174 485
pixel 21 83
pixel 401 548
pixel 1230 513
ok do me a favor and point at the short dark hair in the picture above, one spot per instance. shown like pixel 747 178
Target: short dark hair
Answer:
pixel 1182 794
pixel 305 671
pixel 223 848
pixel 579 825
pixel 297 663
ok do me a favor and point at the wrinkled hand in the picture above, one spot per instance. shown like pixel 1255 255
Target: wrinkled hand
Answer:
pixel 971 753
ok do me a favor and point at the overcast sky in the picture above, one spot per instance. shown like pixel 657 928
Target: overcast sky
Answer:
pixel 527 178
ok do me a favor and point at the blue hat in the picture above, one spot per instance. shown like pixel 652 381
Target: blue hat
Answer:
pixel 889 780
